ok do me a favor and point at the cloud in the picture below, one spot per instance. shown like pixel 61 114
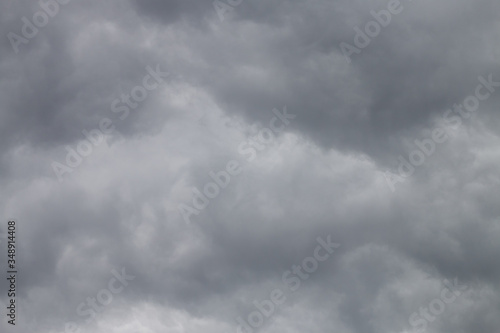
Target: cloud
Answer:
pixel 323 175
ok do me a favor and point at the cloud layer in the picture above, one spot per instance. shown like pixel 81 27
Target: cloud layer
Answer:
pixel 323 173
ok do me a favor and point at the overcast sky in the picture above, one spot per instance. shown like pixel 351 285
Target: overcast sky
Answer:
pixel 370 125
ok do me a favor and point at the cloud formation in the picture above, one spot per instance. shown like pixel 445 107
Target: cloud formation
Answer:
pixel 323 174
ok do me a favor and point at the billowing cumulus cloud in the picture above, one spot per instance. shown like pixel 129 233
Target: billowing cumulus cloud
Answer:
pixel 251 166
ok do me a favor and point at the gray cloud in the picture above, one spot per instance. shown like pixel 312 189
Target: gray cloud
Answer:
pixel 323 175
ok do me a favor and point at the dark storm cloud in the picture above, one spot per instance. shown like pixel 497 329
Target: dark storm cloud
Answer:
pixel 416 68
pixel 323 176
pixel 171 11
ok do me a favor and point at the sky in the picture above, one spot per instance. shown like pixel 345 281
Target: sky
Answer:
pixel 250 166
